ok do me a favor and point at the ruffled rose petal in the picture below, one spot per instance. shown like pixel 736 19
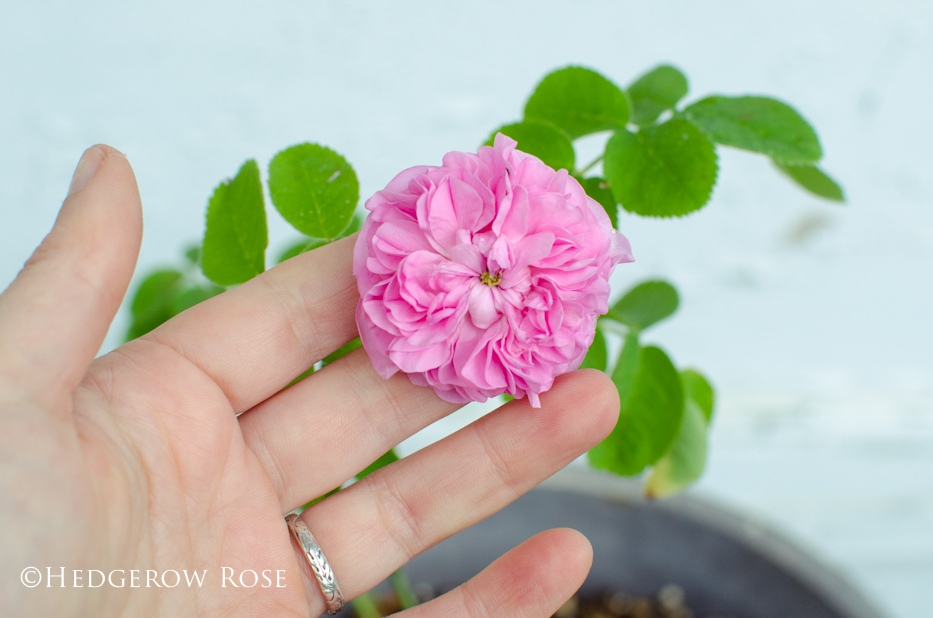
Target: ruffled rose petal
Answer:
pixel 485 275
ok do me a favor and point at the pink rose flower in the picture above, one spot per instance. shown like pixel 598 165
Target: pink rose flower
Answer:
pixel 485 275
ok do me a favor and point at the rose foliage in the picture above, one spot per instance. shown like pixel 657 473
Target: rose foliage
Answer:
pixel 486 275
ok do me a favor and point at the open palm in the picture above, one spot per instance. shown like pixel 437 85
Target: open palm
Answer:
pixel 181 451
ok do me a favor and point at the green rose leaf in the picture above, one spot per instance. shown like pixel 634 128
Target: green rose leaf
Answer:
pixel 813 180
pixel 652 408
pixel 656 91
pixel 661 171
pixel 193 254
pixel 356 224
pixel 542 140
pixel 645 304
pixel 298 247
pixel 152 304
pixel 684 463
pixel 343 350
pixel 314 189
pixel 758 124
pixel 194 295
pixel 385 460
pixel 626 367
pixel 598 189
pixel 304 374
pixel 236 237
pixel 697 388
pixel 154 293
pixel 309 244
pixel 579 101
pixel 596 357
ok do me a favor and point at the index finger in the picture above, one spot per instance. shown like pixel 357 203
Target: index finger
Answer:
pixel 254 339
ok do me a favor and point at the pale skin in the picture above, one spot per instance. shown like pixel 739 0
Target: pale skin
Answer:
pixel 181 450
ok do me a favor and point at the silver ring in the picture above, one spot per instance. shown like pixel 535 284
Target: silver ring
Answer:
pixel 333 596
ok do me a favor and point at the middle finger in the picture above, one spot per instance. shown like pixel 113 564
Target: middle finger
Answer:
pixel 318 433
pixel 376 525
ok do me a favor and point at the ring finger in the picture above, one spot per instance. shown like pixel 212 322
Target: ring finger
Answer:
pixel 375 526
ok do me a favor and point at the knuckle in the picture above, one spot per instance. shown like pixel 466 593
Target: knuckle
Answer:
pixel 399 519
pixel 497 464
pixel 475 604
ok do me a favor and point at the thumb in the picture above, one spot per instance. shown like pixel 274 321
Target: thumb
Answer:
pixel 55 314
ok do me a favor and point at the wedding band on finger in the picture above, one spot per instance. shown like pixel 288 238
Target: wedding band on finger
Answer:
pixel 333 596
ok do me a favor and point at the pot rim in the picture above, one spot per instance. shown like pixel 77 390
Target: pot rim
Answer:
pixel 821 578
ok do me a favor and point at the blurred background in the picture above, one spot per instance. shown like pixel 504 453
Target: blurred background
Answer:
pixel 812 319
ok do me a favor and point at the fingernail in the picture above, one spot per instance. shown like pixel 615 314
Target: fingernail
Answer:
pixel 87 167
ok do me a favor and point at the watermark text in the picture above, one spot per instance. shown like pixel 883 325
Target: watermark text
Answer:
pixel 61 577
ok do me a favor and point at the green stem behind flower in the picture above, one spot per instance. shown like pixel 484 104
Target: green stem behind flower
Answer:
pixel 590 165
pixel 403 588
pixel 365 606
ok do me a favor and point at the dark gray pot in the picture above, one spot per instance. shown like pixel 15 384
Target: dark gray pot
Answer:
pixel 727 564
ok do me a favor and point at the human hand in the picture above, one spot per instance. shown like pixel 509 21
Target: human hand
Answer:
pixel 180 450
